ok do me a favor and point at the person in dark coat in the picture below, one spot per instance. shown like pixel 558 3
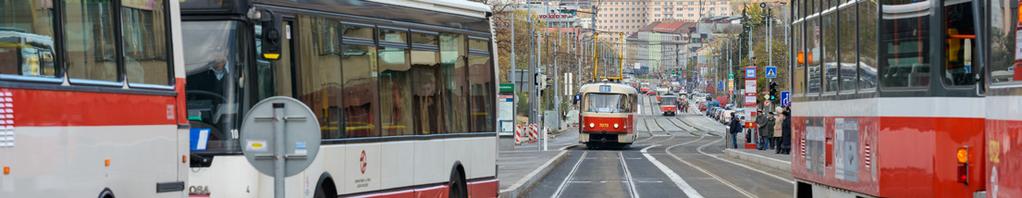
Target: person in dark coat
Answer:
pixel 766 130
pixel 735 128
pixel 786 132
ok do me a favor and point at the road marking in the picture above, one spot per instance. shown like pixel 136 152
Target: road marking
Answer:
pixel 628 175
pixel 700 149
pixel 535 172
pixel 564 183
pixel 721 180
pixel 678 181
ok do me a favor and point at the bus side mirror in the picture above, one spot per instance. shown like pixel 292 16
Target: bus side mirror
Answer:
pixel 271 35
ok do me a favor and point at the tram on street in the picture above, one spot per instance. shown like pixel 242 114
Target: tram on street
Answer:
pixel 906 98
pixel 608 114
pixel 404 92
pixel 92 99
pixel 669 104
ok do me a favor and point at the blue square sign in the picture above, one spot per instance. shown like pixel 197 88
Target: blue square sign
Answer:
pixel 771 71
pixel 785 98
pixel 750 72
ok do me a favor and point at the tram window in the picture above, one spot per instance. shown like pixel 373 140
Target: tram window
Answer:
pixel 867 36
pixel 452 49
pixel 211 62
pixel 318 81
pixel 830 47
pixel 813 42
pixel 145 42
pixel 26 38
pixel 801 58
pixel 481 93
pixel 359 103
pixel 1002 42
pixel 960 66
pixel 89 40
pixel 905 60
pixel 847 50
pixel 395 92
pixel 607 103
pixel 428 84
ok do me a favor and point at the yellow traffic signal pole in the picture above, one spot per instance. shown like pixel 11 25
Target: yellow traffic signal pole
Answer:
pixel 596 60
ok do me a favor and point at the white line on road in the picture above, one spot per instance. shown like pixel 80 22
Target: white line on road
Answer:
pixel 678 181
pixel 725 182
pixel 628 176
pixel 700 149
pixel 564 183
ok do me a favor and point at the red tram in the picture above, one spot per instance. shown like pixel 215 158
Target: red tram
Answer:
pixel 608 114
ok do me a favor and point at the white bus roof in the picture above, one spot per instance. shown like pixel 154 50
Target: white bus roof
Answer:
pixel 459 7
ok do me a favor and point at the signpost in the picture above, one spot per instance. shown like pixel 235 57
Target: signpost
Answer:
pixel 281 138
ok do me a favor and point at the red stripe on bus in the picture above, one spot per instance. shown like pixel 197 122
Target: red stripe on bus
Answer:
pixel 76 108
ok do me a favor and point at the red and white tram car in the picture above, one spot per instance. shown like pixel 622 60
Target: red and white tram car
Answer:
pixel 905 98
pixel 608 114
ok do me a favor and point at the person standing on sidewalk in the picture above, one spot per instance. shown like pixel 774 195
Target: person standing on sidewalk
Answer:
pixel 766 130
pixel 735 128
pixel 778 129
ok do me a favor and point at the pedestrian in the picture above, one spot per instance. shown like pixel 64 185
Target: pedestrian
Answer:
pixel 765 127
pixel 778 129
pixel 786 132
pixel 735 128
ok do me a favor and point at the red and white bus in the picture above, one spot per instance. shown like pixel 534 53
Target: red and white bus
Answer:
pixel 608 114
pixel 92 99
pixel 906 98
pixel 404 92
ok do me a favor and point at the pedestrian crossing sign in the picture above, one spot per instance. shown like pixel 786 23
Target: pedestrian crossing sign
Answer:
pixel 771 71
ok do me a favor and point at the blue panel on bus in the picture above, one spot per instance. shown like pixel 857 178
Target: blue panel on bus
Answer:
pixel 604 88
pixel 198 137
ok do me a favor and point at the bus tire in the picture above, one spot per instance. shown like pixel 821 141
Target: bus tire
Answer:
pixel 325 187
pixel 457 186
pixel 106 193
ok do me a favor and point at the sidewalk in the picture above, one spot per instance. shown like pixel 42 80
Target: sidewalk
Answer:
pixel 766 158
pixel 519 167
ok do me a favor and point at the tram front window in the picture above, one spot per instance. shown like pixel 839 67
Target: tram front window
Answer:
pixel 607 103
pixel 212 63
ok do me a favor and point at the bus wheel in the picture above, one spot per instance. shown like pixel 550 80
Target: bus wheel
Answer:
pixel 457 188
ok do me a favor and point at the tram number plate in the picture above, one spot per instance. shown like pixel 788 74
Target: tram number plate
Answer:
pixel 604 88
pixel 604 125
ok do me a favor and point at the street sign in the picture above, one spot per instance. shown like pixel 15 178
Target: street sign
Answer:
pixel 771 71
pixel 750 72
pixel 281 138
pixel 720 85
pixel 507 88
pixel 785 98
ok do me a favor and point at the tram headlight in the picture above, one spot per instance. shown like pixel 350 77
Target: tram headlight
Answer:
pixel 592 125
pixel 616 125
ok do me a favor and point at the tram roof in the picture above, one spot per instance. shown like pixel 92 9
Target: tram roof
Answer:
pixel 614 88
pixel 466 8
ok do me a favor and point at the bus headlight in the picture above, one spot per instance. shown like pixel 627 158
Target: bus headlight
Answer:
pixel 616 125
pixel 592 125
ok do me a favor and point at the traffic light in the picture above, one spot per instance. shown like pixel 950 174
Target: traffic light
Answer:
pixel 773 92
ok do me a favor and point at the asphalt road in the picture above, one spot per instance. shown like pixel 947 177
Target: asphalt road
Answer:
pixel 674 156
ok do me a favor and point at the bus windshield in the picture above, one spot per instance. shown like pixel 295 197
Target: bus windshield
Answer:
pixel 211 63
pixel 607 103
